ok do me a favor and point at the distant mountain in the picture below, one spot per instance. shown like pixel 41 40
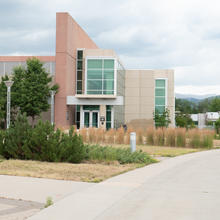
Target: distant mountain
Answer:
pixel 194 98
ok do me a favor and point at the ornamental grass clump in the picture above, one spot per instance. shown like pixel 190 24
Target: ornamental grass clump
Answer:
pixel 119 136
pixel 127 135
pixel 100 135
pixel 92 137
pixel 180 137
pixel 83 132
pixel 140 136
pixel 110 136
pixel 194 138
pixel 170 137
pixel 159 139
pixel 207 137
pixel 150 136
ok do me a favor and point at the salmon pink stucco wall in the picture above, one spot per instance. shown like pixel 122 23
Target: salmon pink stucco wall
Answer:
pixel 69 37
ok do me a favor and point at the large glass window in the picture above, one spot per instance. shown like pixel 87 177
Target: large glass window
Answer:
pixel 160 95
pixel 100 76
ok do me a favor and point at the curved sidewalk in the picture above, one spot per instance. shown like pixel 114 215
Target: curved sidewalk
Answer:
pixel 184 187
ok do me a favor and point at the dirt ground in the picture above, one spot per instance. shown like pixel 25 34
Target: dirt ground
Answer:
pixel 11 209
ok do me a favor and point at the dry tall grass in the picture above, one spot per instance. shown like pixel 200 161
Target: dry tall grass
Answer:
pixel 127 134
pixel 159 138
pixel 150 136
pixel 92 137
pixel 110 136
pixel 179 137
pixel 207 137
pixel 83 133
pixel 170 137
pixel 139 136
pixel 119 136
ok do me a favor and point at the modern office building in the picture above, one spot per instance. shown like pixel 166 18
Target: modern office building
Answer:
pixel 95 88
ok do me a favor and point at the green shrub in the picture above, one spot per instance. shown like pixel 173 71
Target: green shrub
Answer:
pixel 117 154
pixel 42 143
pixel 72 148
pixel 15 138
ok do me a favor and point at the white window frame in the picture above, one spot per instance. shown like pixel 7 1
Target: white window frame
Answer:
pixel 102 58
pixel 166 89
pixel 90 117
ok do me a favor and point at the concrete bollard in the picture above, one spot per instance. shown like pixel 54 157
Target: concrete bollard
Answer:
pixel 133 141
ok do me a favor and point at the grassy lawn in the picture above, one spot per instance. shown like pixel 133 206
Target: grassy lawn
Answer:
pixel 163 151
pixel 92 171
pixel 86 172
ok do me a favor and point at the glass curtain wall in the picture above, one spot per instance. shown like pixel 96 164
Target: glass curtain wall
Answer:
pixel 100 76
pixel 160 95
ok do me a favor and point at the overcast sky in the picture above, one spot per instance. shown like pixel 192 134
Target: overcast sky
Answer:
pixel 146 34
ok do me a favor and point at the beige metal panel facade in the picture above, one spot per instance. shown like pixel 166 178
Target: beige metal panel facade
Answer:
pixel 99 53
pixel 140 96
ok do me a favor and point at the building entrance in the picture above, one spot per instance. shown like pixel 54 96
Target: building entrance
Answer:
pixel 91 119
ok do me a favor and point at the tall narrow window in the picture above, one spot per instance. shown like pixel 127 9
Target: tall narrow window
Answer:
pixel 160 95
pixel 108 117
pixel 77 119
pixel 79 69
pixel 100 76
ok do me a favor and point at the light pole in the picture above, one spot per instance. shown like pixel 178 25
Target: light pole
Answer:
pixel 52 94
pixel 9 85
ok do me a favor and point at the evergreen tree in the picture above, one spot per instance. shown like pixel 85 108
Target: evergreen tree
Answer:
pixel 3 101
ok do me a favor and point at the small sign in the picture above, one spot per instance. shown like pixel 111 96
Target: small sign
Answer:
pixel 102 118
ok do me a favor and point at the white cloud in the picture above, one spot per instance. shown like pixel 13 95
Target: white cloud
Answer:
pixel 180 34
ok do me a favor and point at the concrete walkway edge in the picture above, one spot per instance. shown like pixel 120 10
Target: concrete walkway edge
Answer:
pixel 93 201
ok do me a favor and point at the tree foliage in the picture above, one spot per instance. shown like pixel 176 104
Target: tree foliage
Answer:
pixel 31 88
pixel 205 105
pixel 184 121
pixel 185 106
pixel 30 91
pixel 162 119
pixel 3 101
pixel 217 126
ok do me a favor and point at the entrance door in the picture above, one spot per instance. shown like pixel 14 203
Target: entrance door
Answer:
pixel 91 119
pixel 86 119
pixel 95 119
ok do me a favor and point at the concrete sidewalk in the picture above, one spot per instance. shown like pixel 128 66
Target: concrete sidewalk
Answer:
pixel 38 189
pixel 21 197
pixel 122 197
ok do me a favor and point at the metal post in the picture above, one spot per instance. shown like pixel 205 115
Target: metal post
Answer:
pixel 133 141
pixel 8 84
pixel 52 93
